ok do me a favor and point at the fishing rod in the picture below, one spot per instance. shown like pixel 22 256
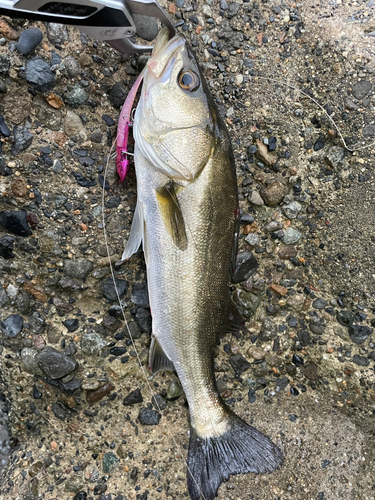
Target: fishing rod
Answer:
pixel 114 21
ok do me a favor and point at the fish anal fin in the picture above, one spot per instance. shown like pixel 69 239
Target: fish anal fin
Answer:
pixel 158 360
pixel 170 210
pixel 234 322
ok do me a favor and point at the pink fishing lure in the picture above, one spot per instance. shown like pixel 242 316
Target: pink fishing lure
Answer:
pixel 124 123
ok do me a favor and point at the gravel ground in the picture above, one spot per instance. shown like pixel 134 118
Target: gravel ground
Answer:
pixel 78 409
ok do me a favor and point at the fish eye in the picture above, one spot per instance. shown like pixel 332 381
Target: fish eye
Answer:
pixel 188 80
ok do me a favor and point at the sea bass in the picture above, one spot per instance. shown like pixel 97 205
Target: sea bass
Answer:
pixel 186 219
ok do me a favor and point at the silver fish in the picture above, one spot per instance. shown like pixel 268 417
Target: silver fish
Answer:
pixel 186 218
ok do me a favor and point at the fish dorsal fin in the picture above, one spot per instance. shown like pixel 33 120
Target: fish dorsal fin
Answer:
pixel 136 232
pixel 158 360
pixel 170 210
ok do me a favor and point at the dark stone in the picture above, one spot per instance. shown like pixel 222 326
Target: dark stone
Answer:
pixel 55 58
pixel 294 391
pixel 39 74
pixel 368 131
pixel 282 383
pixel 159 402
pixel 297 360
pixel 134 329
pixel 252 396
pixel 60 411
pixel 359 333
pixel 70 284
pixel 113 202
pixel 78 269
pixel 4 129
pixel 268 330
pixel 272 143
pixel 293 418
pixel 37 322
pixel 361 89
pixel 345 318
pixel 28 40
pixel 57 33
pixel 69 388
pixel 111 324
pixel 82 181
pixel 117 351
pixel 36 392
pixel 319 304
pixel 304 337
pixel 70 349
pixel 117 95
pixel 325 463
pixel 311 371
pixel 4 299
pixel 109 290
pixel 6 247
pixel 86 161
pixel 319 143
pixel 239 363
pixel 246 265
pixel 96 137
pixel 140 297
pixel 232 9
pixel 22 140
pixel 71 324
pixel 81 495
pixel 12 325
pixel 109 120
pixel 71 66
pixel 55 364
pixel 133 398
pixel 143 318
pixel 149 417
pixel 361 360
pixel 4 64
pixel 246 219
pixel 15 222
pixel 317 329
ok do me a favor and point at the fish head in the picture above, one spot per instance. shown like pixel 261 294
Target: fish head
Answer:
pixel 174 124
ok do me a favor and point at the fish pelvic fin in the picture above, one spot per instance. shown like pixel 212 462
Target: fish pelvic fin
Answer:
pixel 240 449
pixel 170 210
pixel 158 360
pixel 137 231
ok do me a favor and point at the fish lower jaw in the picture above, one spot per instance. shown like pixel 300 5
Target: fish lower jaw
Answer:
pixel 207 430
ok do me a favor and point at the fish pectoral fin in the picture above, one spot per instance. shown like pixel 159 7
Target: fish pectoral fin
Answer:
pixel 171 213
pixel 158 360
pixel 136 232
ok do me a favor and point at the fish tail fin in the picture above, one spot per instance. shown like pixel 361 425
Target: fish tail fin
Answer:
pixel 239 450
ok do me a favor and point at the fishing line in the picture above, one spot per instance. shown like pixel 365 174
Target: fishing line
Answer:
pixel 351 149
pixel 153 399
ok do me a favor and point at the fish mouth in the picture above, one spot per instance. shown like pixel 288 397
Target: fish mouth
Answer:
pixel 164 51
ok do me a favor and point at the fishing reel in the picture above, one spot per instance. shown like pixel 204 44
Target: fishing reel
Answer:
pixel 115 21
